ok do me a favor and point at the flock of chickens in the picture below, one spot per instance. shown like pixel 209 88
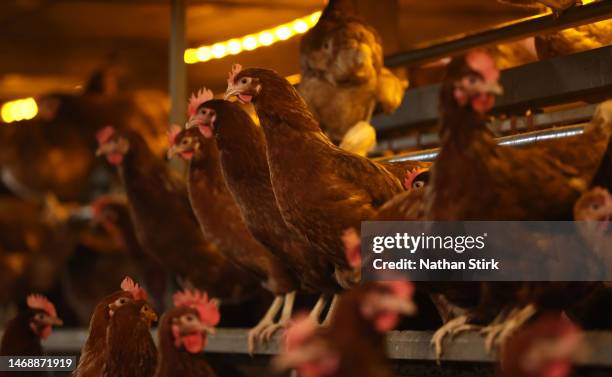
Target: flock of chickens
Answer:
pixel 274 207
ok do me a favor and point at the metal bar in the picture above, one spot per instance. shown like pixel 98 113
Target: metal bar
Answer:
pixel 549 82
pixel 401 345
pixel 513 140
pixel 578 15
pixel 543 120
pixel 178 71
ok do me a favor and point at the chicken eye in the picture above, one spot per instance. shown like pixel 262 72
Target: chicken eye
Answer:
pixel 244 80
pixel 39 316
pixel 190 318
pixel 418 184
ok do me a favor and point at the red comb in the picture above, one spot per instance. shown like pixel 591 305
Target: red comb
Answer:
pixel 104 134
pixel 174 130
pixel 197 99
pixel 36 301
pixel 483 63
pixel 236 68
pixel 128 285
pixel 352 247
pixel 207 309
pixel 411 175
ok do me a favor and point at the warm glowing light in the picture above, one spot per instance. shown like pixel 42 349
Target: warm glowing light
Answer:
pixel 218 50
pixel 283 33
pixel 300 26
pixel 21 109
pixel 312 20
pixel 249 43
pixel 203 54
pixel 234 47
pixel 252 41
pixel 266 38
pixel 190 56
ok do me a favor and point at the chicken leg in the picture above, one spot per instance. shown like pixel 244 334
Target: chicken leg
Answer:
pixel 497 334
pixel 453 327
pixel 316 311
pixel 284 318
pixel 331 312
pixel 266 321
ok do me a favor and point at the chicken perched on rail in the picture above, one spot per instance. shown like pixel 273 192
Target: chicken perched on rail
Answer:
pixel 341 61
pixel 182 335
pixel 94 350
pixel 221 220
pixel 354 343
pixel 22 335
pixel 242 152
pixel 320 189
pixel 502 183
pixel 130 350
pixel 156 193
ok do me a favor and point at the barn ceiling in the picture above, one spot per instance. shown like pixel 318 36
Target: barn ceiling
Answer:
pixel 54 45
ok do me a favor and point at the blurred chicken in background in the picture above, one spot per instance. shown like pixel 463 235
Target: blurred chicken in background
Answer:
pixel 343 78
pixel 55 151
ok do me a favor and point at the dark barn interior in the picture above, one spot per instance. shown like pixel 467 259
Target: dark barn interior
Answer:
pixel 206 224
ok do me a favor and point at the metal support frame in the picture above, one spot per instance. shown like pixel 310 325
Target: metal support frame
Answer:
pixel 176 66
pixel 578 15
pixel 569 78
pixel 401 345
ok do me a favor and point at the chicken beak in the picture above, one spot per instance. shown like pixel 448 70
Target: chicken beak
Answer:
pixel 172 152
pixel 54 321
pixel 206 329
pixel 492 87
pixel 231 92
pixel 103 149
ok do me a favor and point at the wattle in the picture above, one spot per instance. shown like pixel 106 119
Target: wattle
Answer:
pixel 245 98
pixel 194 343
pixel 386 322
pixel 45 332
pixel 114 158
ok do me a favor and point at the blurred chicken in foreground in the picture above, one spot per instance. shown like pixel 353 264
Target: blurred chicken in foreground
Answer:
pixel 343 78
pixel 354 343
pixel 547 347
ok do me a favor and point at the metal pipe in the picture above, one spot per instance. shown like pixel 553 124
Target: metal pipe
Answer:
pixel 177 69
pixel 513 140
pixel 578 15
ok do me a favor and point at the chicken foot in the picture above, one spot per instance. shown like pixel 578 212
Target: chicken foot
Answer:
pixel 453 327
pixel 331 312
pixel 284 319
pixel 498 334
pixel 316 311
pixel 267 320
